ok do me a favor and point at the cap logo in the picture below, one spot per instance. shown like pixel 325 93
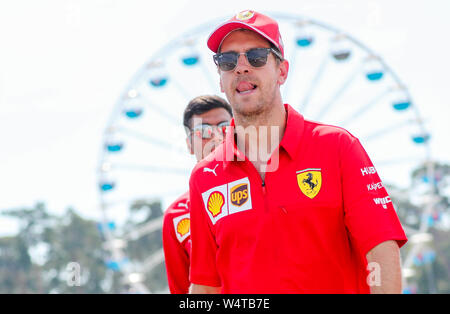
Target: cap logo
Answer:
pixel 245 15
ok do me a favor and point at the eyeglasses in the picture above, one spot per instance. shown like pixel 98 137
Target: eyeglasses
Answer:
pixel 205 131
pixel 257 57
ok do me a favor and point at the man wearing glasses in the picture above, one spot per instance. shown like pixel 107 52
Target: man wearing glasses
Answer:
pixel 301 219
pixel 205 119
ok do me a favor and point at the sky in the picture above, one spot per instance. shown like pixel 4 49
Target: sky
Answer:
pixel 63 64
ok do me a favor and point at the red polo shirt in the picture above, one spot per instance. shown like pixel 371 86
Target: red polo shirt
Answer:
pixel 305 229
pixel 177 244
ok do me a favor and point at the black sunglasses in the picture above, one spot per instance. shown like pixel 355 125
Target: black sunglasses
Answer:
pixel 257 57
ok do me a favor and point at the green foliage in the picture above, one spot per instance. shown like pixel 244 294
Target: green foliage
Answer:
pixel 36 259
pixel 142 248
pixel 433 277
pixel 17 273
pixel 57 241
pixel 74 239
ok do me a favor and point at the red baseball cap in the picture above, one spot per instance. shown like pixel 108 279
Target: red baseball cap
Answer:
pixel 248 19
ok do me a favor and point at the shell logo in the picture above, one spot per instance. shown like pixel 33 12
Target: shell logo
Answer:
pixel 215 203
pixel 183 226
pixel 245 15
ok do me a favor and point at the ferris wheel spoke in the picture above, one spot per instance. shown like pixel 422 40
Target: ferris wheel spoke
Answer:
pixel 179 86
pixel 339 92
pixel 384 131
pixel 364 108
pixel 411 254
pixel 398 160
pixel 148 168
pixel 151 140
pixel 315 82
pixel 154 260
pixel 292 63
pixel 208 76
pixel 171 118
pixel 147 198
pixel 410 231
pixel 149 227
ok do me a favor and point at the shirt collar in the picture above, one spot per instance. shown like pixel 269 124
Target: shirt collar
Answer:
pixel 293 133
pixel 290 141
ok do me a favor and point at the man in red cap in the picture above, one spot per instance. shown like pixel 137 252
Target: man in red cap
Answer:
pixel 205 120
pixel 290 207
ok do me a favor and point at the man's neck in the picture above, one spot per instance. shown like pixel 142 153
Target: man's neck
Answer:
pixel 259 135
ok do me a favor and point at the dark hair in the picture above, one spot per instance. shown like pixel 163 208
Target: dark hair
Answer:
pixel 277 59
pixel 202 104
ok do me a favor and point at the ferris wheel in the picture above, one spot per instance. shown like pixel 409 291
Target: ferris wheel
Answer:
pixel 333 78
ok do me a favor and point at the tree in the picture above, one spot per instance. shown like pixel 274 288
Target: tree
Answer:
pixel 432 263
pixel 36 259
pixel 17 272
pixel 74 240
pixel 143 248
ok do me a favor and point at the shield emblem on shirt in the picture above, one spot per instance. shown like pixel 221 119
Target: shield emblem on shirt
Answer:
pixel 309 181
pixel 182 226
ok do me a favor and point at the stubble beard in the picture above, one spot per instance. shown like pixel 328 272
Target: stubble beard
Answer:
pixel 254 113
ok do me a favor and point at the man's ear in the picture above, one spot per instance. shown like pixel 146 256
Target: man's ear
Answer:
pixel 284 70
pixel 189 145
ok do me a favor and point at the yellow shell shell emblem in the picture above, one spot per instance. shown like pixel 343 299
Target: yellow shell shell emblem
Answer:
pixel 245 15
pixel 309 181
pixel 215 203
pixel 183 226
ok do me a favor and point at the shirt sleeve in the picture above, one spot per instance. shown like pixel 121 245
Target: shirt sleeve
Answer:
pixel 370 216
pixel 204 247
pixel 176 259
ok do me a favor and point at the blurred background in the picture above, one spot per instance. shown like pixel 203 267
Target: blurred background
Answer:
pixel 92 145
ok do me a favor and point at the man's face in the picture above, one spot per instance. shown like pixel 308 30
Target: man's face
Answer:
pixel 202 147
pixel 250 90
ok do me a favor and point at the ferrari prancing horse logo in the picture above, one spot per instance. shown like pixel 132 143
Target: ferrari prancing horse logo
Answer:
pixel 309 181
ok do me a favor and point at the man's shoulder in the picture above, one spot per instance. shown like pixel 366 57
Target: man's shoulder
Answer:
pixel 211 163
pixel 332 134
pixel 176 216
pixel 179 207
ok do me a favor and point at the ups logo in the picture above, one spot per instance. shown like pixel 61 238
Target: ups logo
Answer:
pixel 239 194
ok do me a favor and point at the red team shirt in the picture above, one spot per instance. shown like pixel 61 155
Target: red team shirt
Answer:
pixel 306 229
pixel 177 244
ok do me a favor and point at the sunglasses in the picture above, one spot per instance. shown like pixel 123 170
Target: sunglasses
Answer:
pixel 205 131
pixel 257 57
